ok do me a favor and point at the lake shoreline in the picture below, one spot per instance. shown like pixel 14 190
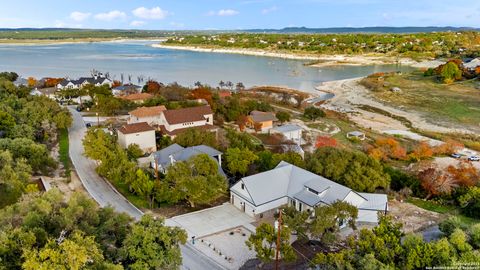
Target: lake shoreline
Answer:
pixel 322 60
pixel 48 42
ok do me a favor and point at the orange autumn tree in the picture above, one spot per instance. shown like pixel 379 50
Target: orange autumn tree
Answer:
pixel 52 82
pixel 153 87
pixel 242 122
pixel 465 174
pixel 387 148
pixel 449 147
pixel 32 81
pixel 202 93
pixel 435 182
pixel 325 141
pixel 422 151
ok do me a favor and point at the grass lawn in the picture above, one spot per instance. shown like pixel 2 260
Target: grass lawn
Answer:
pixel 456 105
pixel 136 200
pixel 63 151
pixel 443 209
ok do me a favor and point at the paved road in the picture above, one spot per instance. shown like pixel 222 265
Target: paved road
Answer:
pixel 105 194
pixel 96 186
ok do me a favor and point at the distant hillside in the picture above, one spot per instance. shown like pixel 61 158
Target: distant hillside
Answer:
pixel 376 29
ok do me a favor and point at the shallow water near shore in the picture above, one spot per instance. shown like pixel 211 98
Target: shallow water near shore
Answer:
pixel 138 58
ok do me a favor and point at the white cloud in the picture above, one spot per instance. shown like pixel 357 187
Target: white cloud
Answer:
pixel 137 23
pixel 227 12
pixel 155 13
pixel 269 10
pixel 110 16
pixel 223 12
pixel 79 16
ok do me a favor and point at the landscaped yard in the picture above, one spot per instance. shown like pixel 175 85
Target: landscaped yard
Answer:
pixel 455 105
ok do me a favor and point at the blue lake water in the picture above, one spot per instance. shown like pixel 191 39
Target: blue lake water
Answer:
pixel 138 58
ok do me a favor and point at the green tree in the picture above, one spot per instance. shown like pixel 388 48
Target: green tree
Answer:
pixel 327 220
pixel 470 202
pixel 283 116
pixel 239 160
pixel 134 151
pixel 313 113
pixel 7 122
pixel 152 245
pixel 264 242
pixel 352 169
pixel 450 73
pixel 194 137
pixel 449 225
pixel 196 180
pixel 75 252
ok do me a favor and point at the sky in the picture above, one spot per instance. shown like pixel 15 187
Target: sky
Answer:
pixel 236 14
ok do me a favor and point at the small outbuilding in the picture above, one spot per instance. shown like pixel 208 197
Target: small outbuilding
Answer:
pixel 356 134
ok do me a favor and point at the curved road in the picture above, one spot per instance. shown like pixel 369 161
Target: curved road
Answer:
pixel 106 195
pixel 100 190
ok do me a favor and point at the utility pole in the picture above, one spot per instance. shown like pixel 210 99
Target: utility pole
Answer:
pixel 278 239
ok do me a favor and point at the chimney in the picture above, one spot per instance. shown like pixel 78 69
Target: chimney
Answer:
pixel 172 160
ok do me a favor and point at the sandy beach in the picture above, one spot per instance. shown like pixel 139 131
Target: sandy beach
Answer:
pixel 350 95
pixel 321 60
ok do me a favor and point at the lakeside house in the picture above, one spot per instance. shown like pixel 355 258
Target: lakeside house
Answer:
pixel 151 115
pixel 49 92
pixel 126 89
pixel 173 122
pixel 97 80
pixel 141 134
pixel 166 157
pixel 262 194
pixel 261 121
pixel 138 98
pixel 291 132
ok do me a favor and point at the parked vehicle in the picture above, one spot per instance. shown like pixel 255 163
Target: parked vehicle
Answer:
pixel 474 158
pixel 456 155
pixel 88 125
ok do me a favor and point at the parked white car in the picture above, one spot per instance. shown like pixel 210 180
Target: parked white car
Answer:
pixel 474 158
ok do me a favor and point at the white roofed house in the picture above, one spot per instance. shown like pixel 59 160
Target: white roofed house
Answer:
pixel 290 132
pixel 166 157
pixel 287 184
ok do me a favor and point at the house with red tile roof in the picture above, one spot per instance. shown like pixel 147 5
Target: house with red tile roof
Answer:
pixel 173 122
pixel 141 134
pixel 151 115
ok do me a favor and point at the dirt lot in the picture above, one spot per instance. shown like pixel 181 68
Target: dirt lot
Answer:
pixel 412 217
pixel 66 187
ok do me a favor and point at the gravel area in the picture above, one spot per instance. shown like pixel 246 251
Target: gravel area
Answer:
pixel 230 249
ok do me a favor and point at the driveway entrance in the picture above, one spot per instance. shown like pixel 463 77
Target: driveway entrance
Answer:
pixel 212 220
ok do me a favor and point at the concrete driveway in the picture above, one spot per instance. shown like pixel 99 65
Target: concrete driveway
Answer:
pixel 212 220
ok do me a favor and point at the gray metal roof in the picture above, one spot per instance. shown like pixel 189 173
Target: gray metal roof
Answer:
pixel 307 197
pixel 287 128
pixel 287 180
pixel 179 153
pixel 374 201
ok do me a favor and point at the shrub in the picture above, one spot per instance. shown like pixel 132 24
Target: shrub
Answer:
pixel 448 226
